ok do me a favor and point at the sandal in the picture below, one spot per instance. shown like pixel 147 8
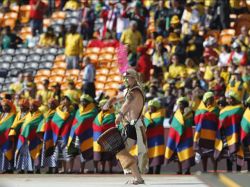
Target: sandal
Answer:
pixel 135 182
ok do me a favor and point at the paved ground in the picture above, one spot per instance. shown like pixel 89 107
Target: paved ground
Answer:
pixel 96 181
pixel 118 180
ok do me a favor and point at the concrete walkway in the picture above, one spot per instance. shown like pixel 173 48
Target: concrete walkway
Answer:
pixel 96 181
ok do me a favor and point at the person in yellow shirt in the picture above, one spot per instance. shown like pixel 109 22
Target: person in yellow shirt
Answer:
pixel 44 96
pixel 175 69
pixel 73 48
pixel 47 39
pixel 73 92
pixel 236 85
pixel 72 5
pixel 190 66
pixel 18 85
pixel 132 37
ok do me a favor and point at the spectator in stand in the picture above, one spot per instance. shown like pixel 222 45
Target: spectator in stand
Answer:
pixel 122 20
pixel 175 25
pixel 89 78
pixel 175 68
pixel 37 11
pixel 224 56
pixel 139 14
pixel 44 96
pixel 144 64
pixel 61 36
pixel 73 48
pixel 221 18
pixel 237 56
pixel 132 37
pixel 159 60
pixel 161 18
pixel 47 39
pixel 87 20
pixel 72 5
pixel 32 41
pixel 244 39
pixel 9 40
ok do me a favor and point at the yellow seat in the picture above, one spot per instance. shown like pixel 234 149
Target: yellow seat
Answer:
pixel 102 71
pixel 40 78
pixel 74 72
pixel 56 78
pixel 227 32
pixel 46 22
pixel 10 22
pixel 58 15
pixel 92 50
pixel 60 64
pixel 99 85
pixel 226 39
pixel 60 58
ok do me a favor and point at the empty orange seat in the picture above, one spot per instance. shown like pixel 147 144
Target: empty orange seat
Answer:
pixel 60 58
pixel 46 22
pixel 58 15
pixel 108 50
pixel 10 22
pixel 56 78
pixel 92 50
pixel 112 85
pixel 226 39
pixel 102 71
pixel 12 15
pixel 24 13
pixel 105 58
pixel 60 64
pixel 113 71
pixel 93 57
pixel 74 72
pixel 40 78
pixel 228 32
pixel 58 71
pixel 115 78
pixel 111 92
pixel 101 78
pixel 99 85
pixel 45 72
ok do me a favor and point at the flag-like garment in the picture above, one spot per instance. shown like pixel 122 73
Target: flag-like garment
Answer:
pixel 180 140
pixel 44 129
pixel 28 133
pixel 17 124
pixel 59 126
pixel 207 122
pixel 155 137
pixel 7 144
pixel 229 124
pixel 82 127
pixel 245 128
pixel 102 122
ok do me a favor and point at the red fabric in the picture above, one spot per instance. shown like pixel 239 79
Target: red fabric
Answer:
pixel 144 66
pixel 39 12
pixel 243 60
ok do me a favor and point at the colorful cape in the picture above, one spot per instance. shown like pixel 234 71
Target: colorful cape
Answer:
pixel 82 127
pixel 44 129
pixel 229 124
pixel 207 122
pixel 180 140
pixel 102 122
pixel 245 128
pixel 6 144
pixel 17 124
pixel 28 133
pixel 58 126
pixel 155 137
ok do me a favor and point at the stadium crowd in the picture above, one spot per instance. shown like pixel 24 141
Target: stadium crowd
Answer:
pixel 192 59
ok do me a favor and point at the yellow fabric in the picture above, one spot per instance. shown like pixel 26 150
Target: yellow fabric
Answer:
pixel 186 17
pixel 176 70
pixel 240 91
pixel 46 41
pixel 72 5
pixel 208 75
pixel 190 70
pixel 235 4
pixel 209 3
pixel 133 39
pixel 225 75
pixel 17 87
pixel 73 45
pixel 46 96
pixel 74 94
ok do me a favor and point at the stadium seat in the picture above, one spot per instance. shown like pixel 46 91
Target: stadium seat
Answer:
pixel 4 65
pixel 56 78
pixel 227 32
pixel 74 72
pixel 17 65
pixel 102 71
pixel 33 65
pixel 9 51
pixel 93 57
pixel 11 15
pixel 34 58
pixel 48 57
pixel 7 58
pixel 38 51
pixel 108 50
pixel 40 78
pixel 10 22
pixel 14 72
pixel 23 51
pixel 45 65
pixel 114 71
pixel 60 58
pixel 111 92
pixel 92 50
pixel 59 64
pixel 114 78
pixel 24 14
pixel 44 72
pixel 112 85
pixel 101 78
pixel 107 57
pixel 58 71
pixel 19 58
pixel 46 22
pixel 71 77
pixel 226 39
pixel 99 85
pixel 14 8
